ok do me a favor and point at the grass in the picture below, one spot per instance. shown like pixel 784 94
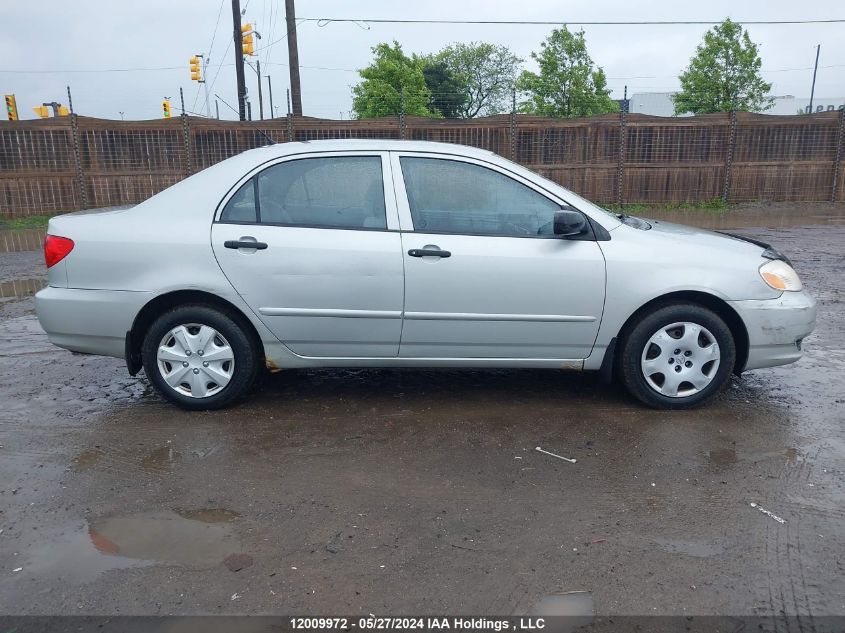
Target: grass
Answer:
pixel 28 222
pixel 716 204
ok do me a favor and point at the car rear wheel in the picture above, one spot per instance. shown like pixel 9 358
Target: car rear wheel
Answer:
pixel 200 358
pixel 677 356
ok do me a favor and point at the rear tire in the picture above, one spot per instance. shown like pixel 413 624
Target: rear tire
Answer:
pixel 677 356
pixel 200 358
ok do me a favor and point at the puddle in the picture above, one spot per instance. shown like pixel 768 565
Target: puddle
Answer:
pixel 86 460
pixel 23 335
pixel 793 455
pixel 196 539
pixel 19 288
pixel 208 515
pixel 160 460
pixel 167 537
pixel 577 606
pixel 722 457
pixel 73 557
pixel 698 549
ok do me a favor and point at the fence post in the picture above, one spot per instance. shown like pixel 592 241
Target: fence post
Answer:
pixel 623 138
pixel 402 112
pixel 290 120
pixel 513 124
pixel 186 135
pixel 77 156
pixel 729 158
pixel 837 161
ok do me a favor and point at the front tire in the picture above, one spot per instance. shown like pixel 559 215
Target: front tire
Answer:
pixel 200 358
pixel 677 356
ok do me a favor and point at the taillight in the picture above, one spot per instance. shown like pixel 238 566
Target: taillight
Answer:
pixel 56 249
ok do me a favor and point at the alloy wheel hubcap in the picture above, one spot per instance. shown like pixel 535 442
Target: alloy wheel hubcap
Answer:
pixel 195 360
pixel 680 359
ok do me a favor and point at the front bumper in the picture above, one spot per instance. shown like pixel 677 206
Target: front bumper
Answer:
pixel 776 328
pixel 89 321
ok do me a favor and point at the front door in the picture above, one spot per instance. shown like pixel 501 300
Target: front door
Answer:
pixel 326 272
pixel 485 277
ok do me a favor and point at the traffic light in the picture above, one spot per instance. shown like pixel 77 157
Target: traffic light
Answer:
pixel 247 42
pixel 196 71
pixel 11 108
pixel 42 111
pixel 63 111
pixel 165 107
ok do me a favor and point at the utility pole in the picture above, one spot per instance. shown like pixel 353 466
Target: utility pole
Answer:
pixel 239 58
pixel 270 90
pixel 260 97
pixel 293 58
pixel 815 69
pixel 205 84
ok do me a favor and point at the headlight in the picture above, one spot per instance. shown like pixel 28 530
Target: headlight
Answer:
pixel 780 276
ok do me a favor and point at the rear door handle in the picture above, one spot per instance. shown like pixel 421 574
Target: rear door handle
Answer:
pixel 428 252
pixel 245 244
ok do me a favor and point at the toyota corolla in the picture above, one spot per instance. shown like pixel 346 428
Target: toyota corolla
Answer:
pixel 410 254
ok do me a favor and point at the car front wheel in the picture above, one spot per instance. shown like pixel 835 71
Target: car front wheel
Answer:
pixel 200 358
pixel 677 356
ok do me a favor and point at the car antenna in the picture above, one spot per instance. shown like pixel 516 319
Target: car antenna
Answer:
pixel 255 127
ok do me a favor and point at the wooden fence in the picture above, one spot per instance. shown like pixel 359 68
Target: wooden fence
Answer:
pixel 62 164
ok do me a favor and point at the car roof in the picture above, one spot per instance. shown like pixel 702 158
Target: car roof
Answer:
pixel 382 145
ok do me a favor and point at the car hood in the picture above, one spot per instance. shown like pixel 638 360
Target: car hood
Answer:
pixel 689 236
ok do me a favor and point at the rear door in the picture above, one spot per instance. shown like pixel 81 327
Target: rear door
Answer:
pixel 485 277
pixel 311 243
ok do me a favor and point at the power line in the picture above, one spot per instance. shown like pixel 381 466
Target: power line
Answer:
pixel 92 70
pixel 325 21
pixel 275 20
pixel 289 31
pixel 208 53
pixel 216 25
pixel 347 70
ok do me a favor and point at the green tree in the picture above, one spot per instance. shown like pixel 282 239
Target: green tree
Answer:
pixel 569 84
pixel 486 73
pixel 391 71
pixel 448 93
pixel 724 74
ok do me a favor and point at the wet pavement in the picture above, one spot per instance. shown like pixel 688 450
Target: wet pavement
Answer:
pixel 419 491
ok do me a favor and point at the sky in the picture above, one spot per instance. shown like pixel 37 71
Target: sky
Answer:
pixel 50 44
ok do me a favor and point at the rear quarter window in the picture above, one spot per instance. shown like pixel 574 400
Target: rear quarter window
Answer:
pixel 241 207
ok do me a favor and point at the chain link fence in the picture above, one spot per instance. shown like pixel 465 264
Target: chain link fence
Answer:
pixel 63 164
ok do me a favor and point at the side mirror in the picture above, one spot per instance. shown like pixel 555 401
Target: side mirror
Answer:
pixel 569 223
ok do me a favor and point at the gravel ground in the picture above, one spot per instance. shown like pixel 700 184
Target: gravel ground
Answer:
pixel 420 491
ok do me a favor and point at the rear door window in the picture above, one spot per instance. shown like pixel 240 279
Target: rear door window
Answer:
pixel 345 192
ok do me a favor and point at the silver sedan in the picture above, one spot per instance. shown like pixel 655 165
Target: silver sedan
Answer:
pixel 410 254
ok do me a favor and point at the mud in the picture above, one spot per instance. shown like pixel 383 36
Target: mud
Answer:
pixel 371 491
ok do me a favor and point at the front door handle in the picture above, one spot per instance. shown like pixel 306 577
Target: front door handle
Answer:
pixel 245 244
pixel 428 252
